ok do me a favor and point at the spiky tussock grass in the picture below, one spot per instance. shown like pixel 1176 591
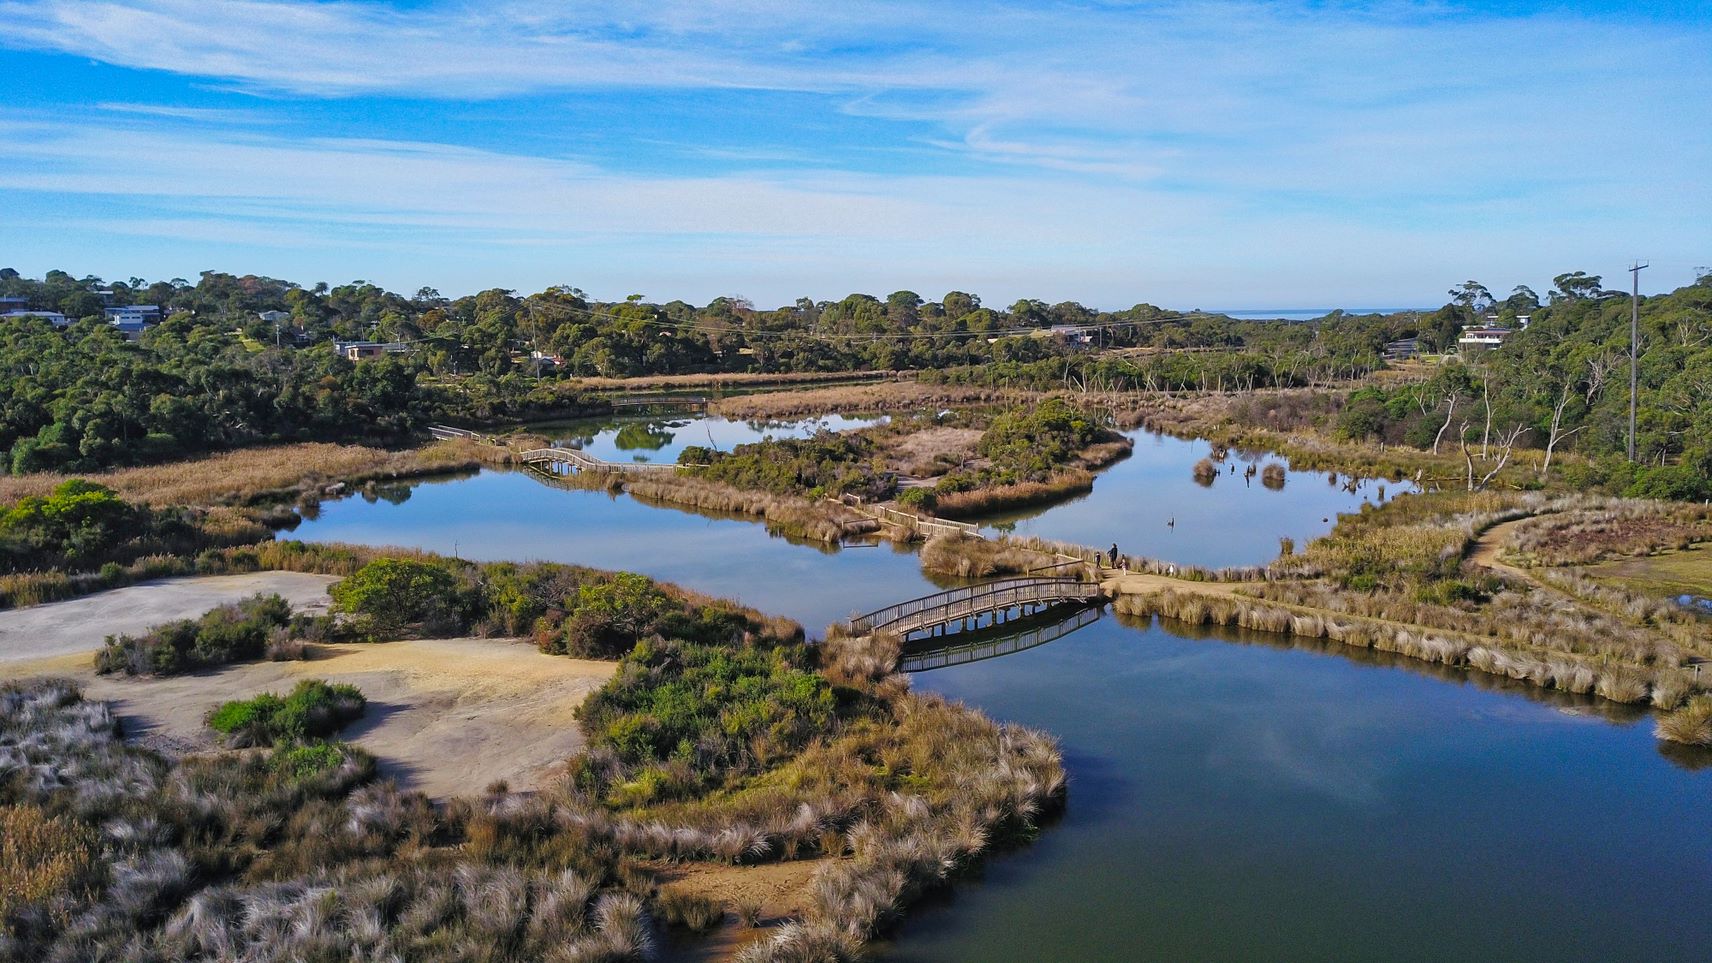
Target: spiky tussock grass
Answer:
pixel 1690 725
pixel 966 556
pixel 1615 682
pixel 679 907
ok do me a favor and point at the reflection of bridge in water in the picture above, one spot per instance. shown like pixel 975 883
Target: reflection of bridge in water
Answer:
pixel 964 647
pixel 937 613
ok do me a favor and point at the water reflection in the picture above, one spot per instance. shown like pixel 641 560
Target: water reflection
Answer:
pixel 1192 503
pixel 658 438
pixel 962 648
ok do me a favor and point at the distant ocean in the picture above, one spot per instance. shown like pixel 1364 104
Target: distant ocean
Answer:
pixel 1306 314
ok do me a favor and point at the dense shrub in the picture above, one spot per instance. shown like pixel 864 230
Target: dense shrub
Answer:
pixel 313 710
pixel 1033 441
pixel 706 710
pixel 830 463
pixel 237 632
pixel 388 595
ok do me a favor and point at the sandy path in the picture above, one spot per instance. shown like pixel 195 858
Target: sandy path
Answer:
pixel 446 716
pixel 80 625
pixel 1491 544
pixel 1114 583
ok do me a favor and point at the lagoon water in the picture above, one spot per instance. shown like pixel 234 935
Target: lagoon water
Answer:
pixel 1233 797
pixel 1234 520
pixel 660 438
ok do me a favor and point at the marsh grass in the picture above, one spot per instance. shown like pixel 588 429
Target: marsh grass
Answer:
pixel 1690 725
pixel 253 475
pixel 1662 686
pixel 820 521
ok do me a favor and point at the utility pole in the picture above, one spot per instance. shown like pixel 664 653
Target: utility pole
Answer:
pixel 1634 341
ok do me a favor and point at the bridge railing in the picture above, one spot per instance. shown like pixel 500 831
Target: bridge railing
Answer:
pixel 1009 590
pixel 445 432
pixel 582 460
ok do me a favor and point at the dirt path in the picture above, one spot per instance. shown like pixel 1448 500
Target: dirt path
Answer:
pixel 446 716
pixel 1491 544
pixel 1114 582
pixel 79 625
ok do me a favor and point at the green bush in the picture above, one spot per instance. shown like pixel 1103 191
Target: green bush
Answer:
pixel 229 633
pixel 827 463
pixel 388 595
pixel 715 709
pixel 916 498
pixel 313 710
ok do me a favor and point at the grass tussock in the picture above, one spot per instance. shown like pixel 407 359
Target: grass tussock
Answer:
pixel 1664 687
pixel 1690 725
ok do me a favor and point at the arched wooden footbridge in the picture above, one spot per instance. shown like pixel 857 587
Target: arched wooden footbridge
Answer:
pixel 558 461
pixel 935 613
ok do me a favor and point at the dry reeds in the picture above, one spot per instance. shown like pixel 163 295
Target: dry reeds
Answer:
pixel 251 475
pixel 1690 725
pixel 1630 684
pixel 787 514
pixel 985 501
pixel 883 397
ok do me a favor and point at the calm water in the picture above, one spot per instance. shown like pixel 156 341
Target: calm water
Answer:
pixel 1250 801
pixel 496 516
pixel 1232 798
pixel 1235 520
pixel 659 439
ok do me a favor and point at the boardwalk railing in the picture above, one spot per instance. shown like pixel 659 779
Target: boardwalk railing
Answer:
pixel 946 607
pixel 585 462
pixel 651 401
pixel 444 432
pixel 986 645
pixel 927 526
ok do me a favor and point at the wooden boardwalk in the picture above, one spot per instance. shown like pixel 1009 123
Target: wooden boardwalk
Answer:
pixel 561 460
pixel 937 612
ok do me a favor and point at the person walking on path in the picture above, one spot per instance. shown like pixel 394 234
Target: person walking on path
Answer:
pixel 1114 555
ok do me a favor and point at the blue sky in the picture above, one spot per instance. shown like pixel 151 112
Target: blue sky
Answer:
pixel 1219 155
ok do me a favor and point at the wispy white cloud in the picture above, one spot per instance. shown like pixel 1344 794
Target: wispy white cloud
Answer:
pixel 1198 139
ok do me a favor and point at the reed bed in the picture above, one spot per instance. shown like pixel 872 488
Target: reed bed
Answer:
pixel 787 514
pixel 253 475
pixel 986 501
pixel 1663 687
pixel 886 397
pixel 966 556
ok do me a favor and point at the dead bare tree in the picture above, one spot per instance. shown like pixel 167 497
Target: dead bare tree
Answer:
pixel 1486 398
pixel 1557 434
pixel 1448 414
pixel 1506 445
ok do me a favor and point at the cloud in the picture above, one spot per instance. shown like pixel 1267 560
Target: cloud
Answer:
pixel 1118 146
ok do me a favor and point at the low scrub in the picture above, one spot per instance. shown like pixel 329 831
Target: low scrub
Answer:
pixel 313 710
pixel 240 632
